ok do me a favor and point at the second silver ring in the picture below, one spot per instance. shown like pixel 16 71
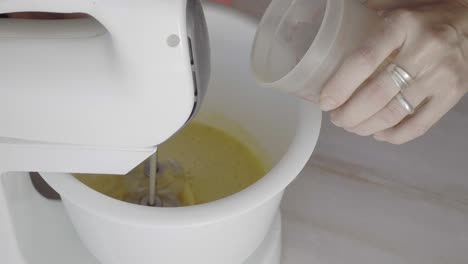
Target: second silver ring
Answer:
pixel 402 80
pixel 404 102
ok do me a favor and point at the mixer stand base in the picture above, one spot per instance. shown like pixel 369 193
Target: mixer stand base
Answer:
pixel 269 251
pixel 45 235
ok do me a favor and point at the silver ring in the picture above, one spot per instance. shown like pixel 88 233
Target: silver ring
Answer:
pixel 401 77
pixel 404 102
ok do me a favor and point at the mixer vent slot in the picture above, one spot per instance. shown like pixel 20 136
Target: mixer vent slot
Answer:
pixel 195 82
pixel 195 86
pixel 42 187
pixel 192 61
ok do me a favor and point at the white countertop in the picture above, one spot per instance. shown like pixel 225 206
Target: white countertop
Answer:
pixel 336 213
pixel 360 201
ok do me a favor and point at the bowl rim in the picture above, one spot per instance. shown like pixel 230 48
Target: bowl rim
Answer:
pixel 267 188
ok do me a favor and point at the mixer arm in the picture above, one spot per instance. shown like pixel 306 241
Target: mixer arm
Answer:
pixel 23 156
pixel 123 79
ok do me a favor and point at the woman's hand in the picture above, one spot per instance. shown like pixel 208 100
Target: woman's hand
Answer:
pixel 428 42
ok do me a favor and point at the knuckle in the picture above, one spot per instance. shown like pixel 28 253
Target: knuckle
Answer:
pixel 403 17
pixel 453 76
pixel 457 91
pixel 349 120
pixel 350 116
pixel 391 115
pixel 396 141
pixel 461 88
pixel 381 92
pixel 411 133
pixel 441 39
pixel 436 41
pixel 419 130
pixel 447 72
pixel 448 33
pixel 365 56
pixel 358 132
pixel 363 132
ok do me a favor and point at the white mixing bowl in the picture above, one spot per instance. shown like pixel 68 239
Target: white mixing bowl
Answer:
pixel 226 231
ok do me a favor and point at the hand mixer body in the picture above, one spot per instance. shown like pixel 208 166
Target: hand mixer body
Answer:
pixel 115 85
pixel 93 95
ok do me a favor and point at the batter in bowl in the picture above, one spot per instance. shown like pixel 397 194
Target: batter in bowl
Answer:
pixel 198 165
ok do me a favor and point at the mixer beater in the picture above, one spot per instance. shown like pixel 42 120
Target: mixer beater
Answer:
pixel 151 170
pixel 154 170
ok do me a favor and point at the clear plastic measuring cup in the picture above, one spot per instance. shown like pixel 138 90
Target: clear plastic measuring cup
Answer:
pixel 300 43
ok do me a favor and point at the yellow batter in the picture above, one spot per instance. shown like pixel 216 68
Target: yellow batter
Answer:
pixel 214 165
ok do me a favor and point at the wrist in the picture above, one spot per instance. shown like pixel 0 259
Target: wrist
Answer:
pixel 462 2
pixel 459 21
pixel 459 17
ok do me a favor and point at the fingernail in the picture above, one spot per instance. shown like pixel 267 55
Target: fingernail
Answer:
pixel 336 122
pixel 333 118
pixel 327 103
pixel 378 137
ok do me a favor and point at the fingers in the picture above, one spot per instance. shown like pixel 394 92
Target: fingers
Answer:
pixel 390 116
pixel 357 68
pixel 431 77
pixel 377 92
pixel 421 122
pixel 374 95
pixel 369 100
pixel 393 113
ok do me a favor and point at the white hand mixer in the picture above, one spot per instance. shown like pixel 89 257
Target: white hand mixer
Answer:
pixel 98 94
